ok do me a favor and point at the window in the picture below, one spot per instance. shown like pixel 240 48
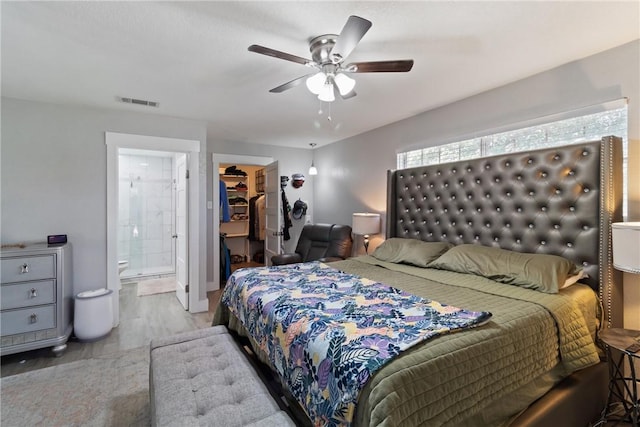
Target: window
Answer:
pixel 587 127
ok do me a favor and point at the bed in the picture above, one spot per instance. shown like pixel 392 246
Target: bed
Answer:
pixel 522 355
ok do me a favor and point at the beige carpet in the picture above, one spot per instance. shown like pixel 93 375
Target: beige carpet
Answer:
pixel 110 390
pixel 156 286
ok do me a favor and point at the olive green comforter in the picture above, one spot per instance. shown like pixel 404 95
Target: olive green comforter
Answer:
pixel 473 377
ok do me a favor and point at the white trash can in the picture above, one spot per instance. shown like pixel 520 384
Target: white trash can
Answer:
pixel 93 314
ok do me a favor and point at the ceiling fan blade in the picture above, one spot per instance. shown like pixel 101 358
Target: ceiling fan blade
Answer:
pixel 401 66
pixel 280 55
pixel 291 84
pixel 351 34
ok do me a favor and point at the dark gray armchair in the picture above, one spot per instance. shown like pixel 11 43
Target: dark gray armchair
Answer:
pixel 319 242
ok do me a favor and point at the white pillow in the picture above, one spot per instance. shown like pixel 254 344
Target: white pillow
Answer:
pixel 573 279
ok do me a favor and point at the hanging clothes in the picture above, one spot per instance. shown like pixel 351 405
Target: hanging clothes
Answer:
pixel 286 209
pixel 225 259
pixel 261 217
pixel 253 219
pixel 225 211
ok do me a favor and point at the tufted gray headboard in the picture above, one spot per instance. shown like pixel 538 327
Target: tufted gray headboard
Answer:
pixel 559 201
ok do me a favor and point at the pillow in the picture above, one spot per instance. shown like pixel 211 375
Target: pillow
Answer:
pixel 573 279
pixel 409 251
pixel 541 272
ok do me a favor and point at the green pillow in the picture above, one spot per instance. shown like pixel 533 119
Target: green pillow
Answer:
pixel 409 251
pixel 542 272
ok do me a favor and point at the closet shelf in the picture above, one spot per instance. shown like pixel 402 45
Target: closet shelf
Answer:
pixel 238 235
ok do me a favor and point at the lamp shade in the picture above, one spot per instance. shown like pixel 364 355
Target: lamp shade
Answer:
pixel 365 223
pixel 326 93
pixel 626 246
pixel 345 83
pixel 316 82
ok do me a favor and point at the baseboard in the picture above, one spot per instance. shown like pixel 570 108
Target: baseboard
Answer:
pixel 199 307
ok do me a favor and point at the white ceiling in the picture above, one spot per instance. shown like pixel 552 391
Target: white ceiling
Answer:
pixel 192 57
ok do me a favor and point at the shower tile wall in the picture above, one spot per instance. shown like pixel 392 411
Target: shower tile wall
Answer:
pixel 146 215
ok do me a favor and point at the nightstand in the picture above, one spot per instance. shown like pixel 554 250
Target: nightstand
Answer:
pixel 623 388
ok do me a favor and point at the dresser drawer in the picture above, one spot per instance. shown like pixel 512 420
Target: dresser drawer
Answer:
pixel 28 319
pixel 21 269
pixel 28 294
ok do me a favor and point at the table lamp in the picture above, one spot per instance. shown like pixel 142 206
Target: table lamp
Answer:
pixel 626 246
pixel 366 224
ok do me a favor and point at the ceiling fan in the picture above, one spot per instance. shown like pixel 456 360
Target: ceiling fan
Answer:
pixel 328 53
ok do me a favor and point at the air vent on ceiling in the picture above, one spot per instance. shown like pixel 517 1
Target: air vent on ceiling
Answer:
pixel 140 102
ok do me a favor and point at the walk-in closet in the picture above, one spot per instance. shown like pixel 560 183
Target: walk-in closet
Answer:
pixel 242 217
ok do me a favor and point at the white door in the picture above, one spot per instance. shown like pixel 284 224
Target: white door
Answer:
pixel 273 209
pixel 180 236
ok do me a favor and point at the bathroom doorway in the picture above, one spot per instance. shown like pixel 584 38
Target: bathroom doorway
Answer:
pixel 146 214
pixel 152 222
pixel 193 292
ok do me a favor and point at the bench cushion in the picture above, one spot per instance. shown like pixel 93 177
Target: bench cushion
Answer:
pixel 201 378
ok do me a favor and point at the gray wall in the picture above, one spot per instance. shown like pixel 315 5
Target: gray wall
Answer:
pixel 54 177
pixel 354 180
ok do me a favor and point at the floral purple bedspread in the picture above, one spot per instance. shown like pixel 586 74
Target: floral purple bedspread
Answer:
pixel 327 332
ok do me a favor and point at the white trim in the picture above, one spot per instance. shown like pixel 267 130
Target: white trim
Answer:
pixel 198 305
pixel 153 143
pixel 240 158
pixel 114 142
pixel 569 114
pixel 218 158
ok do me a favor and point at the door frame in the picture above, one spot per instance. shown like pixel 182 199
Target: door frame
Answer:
pixel 218 158
pixel 181 213
pixel 115 141
pixel 273 208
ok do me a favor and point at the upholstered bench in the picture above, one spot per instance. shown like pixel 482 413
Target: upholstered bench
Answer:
pixel 202 378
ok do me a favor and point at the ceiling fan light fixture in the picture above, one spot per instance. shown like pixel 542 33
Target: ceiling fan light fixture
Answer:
pixel 328 52
pixel 326 94
pixel 316 82
pixel 345 83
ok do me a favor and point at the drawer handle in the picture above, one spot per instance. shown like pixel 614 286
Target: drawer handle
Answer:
pixel 33 318
pixel 33 293
pixel 24 268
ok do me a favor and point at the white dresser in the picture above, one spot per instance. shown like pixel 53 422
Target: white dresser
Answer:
pixel 36 298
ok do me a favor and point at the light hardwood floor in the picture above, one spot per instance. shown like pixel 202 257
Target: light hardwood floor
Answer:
pixel 141 320
pixel 236 266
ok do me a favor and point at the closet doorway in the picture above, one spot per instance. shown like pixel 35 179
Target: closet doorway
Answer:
pixel 237 227
pixel 243 191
